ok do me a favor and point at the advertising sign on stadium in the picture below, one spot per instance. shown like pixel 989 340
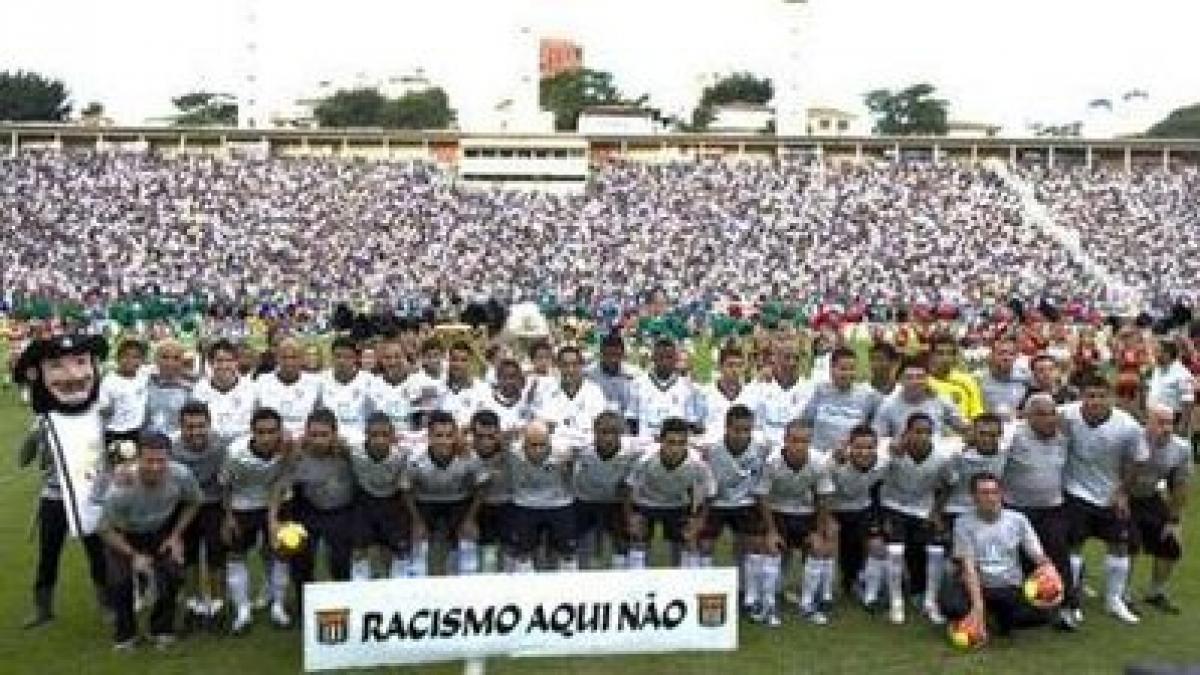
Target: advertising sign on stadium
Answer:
pixel 404 621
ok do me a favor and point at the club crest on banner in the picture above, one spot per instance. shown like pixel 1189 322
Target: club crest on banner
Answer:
pixel 333 626
pixel 713 609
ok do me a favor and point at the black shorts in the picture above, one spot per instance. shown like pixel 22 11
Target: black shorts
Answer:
pixel 606 517
pixel 443 517
pixel 794 528
pixel 335 527
pixel 1150 516
pixel 860 525
pixel 205 529
pixel 1090 521
pixel 743 520
pixel 901 528
pixel 382 521
pixel 496 525
pixel 671 519
pixel 251 530
pixel 558 524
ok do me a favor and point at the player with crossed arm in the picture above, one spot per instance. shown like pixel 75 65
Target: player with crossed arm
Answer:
pixel 662 393
pixel 669 487
pixel 857 472
pixel 793 494
pixel 381 518
pixel 542 499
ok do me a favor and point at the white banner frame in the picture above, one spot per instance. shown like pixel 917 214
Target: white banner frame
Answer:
pixel 359 624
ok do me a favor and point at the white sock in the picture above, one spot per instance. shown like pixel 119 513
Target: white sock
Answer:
pixel 704 560
pixel 420 560
pixel 468 559
pixel 771 566
pixel 637 558
pixel 568 563
pixel 873 578
pixel 934 562
pixel 752 570
pixel 489 558
pixel 1116 568
pixel 687 560
pixel 810 582
pixel 619 561
pixel 400 567
pixel 524 566
pixel 1076 570
pixel 279 580
pixel 237 578
pixel 360 570
pixel 827 578
pixel 895 573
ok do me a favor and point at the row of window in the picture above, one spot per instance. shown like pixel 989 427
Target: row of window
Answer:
pixel 521 178
pixel 530 153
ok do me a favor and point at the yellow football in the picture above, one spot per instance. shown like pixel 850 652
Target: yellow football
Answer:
pixel 289 538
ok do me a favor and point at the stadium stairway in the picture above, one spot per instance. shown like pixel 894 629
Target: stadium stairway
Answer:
pixel 1039 215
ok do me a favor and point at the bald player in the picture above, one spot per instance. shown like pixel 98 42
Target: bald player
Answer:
pixel 167 390
pixel 543 499
pixel 1157 512
pixel 289 390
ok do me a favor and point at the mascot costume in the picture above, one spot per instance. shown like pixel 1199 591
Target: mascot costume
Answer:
pixel 62 376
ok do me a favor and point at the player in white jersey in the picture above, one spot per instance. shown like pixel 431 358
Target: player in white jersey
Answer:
pixel 540 375
pixel 462 394
pixel 602 465
pixel 915 396
pixel 1106 447
pixel 1157 514
pixel 920 476
pixel 571 403
pixel 786 394
pixel 663 393
pixel 793 494
pixel 736 459
pixel 428 382
pixel 122 399
pixel 543 498
pixel 671 487
pixel 509 399
pixel 393 391
pixel 381 517
pixel 729 389
pixel 444 489
pixel 253 465
pixel 345 391
pixel 288 390
pixel 231 399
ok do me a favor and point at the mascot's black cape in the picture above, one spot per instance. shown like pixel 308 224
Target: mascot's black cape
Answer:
pixel 69 435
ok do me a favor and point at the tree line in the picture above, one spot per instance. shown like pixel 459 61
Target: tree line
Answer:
pixel 915 109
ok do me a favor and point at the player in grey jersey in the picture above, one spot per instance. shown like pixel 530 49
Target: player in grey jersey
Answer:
pixel 1035 458
pixel 990 543
pixel 167 390
pixel 1106 447
pixel 838 406
pixel 253 465
pixel 381 517
pixel 1156 514
pixel 204 455
pixel 793 492
pixel 982 454
pixel 914 488
pixel 444 488
pixel 857 473
pixel 601 469
pixel 670 487
pixel 543 499
pixel 496 537
pixel 142 524
pixel 736 459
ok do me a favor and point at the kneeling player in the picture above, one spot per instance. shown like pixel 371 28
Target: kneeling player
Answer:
pixel 793 495
pixel 444 489
pixel 254 464
pixel 736 460
pixel 670 488
pixel 382 519
pixel 543 502
pixel 1156 516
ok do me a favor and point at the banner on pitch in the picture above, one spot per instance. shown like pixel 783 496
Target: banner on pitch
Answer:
pixel 404 621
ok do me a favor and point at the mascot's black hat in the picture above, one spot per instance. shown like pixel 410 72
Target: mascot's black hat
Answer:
pixel 60 345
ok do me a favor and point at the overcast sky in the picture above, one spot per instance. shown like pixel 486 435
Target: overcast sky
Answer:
pixel 1011 61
